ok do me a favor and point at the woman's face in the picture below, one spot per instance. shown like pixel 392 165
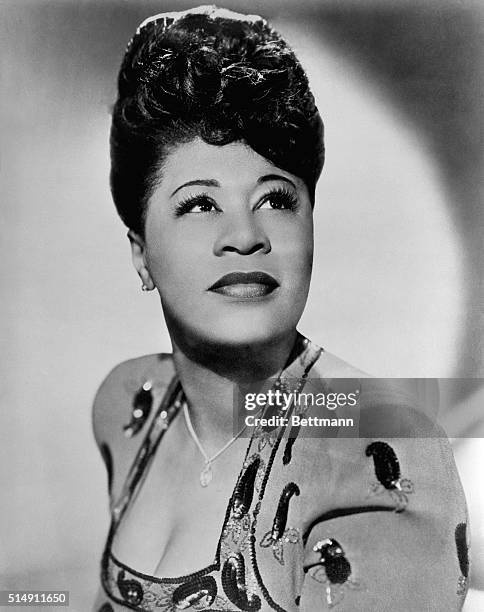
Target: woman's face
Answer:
pixel 228 244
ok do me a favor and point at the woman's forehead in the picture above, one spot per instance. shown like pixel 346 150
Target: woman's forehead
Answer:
pixel 229 165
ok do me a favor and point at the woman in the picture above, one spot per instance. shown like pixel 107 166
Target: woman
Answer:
pixel 216 147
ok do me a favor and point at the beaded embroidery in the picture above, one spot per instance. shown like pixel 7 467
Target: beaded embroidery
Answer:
pixel 279 535
pixel 244 490
pixel 463 556
pixel 267 434
pixel 333 570
pixel 234 570
pixel 234 585
pixel 237 529
pixel 290 535
pixel 202 591
pixel 141 592
pixel 141 408
pixel 387 471
pixel 287 456
pixel 108 462
pixel 131 590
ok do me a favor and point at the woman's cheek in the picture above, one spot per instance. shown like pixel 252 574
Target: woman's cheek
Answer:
pixel 298 253
pixel 174 249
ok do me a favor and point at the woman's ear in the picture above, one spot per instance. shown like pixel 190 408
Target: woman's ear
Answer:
pixel 138 252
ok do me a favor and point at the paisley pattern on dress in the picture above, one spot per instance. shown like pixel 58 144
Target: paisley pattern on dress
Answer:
pixel 108 462
pixel 279 535
pixel 197 592
pixel 463 557
pixel 201 591
pixel 291 535
pixel 141 409
pixel 237 529
pixel 234 584
pixel 131 590
pixel 333 570
pixel 293 434
pixel 233 581
pixel 245 556
pixel 387 471
pixel 236 579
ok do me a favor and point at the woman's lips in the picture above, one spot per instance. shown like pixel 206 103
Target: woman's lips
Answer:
pixel 245 285
pixel 246 291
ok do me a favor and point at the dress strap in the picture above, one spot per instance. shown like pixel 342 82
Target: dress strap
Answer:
pixel 168 408
pixel 303 357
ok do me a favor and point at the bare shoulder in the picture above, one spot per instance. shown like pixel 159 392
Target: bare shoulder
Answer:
pixel 420 392
pixel 401 406
pixel 113 409
pixel 113 401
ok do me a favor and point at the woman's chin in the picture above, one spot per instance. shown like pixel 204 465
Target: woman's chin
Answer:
pixel 238 338
pixel 234 325
pixel 245 331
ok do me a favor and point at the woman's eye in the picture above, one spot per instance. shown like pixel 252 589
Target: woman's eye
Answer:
pixel 205 206
pixel 280 199
pixel 196 204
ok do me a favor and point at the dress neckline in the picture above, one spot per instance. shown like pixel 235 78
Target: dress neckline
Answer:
pixel 303 355
pixel 215 564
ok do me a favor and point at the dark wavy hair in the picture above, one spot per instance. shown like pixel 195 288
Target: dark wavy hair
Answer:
pixel 213 74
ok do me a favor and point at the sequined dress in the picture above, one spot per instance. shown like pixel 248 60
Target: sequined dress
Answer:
pixel 304 532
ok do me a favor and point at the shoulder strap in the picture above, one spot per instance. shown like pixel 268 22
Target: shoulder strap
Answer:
pixel 167 410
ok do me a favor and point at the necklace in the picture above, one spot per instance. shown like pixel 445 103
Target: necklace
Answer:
pixel 206 474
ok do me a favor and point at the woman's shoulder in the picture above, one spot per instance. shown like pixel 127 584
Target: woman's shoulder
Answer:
pixel 380 465
pixel 123 409
pixel 410 403
pixel 114 398
pixel 353 420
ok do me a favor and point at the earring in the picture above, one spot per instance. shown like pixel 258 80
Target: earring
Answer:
pixel 145 287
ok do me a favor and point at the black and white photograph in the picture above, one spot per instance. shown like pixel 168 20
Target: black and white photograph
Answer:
pixel 242 261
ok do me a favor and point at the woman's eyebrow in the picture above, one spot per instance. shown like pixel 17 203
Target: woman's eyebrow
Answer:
pixel 204 182
pixel 274 177
pixel 213 183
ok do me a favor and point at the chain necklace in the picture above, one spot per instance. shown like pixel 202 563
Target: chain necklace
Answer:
pixel 206 474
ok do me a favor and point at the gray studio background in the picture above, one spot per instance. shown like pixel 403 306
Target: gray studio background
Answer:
pixel 397 287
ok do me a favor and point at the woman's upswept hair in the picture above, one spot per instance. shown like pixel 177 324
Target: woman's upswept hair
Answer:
pixel 213 74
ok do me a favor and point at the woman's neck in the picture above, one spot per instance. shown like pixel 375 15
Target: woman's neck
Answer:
pixel 211 376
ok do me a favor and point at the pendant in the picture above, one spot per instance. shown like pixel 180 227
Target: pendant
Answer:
pixel 206 475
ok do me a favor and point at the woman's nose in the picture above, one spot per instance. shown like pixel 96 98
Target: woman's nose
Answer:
pixel 241 232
